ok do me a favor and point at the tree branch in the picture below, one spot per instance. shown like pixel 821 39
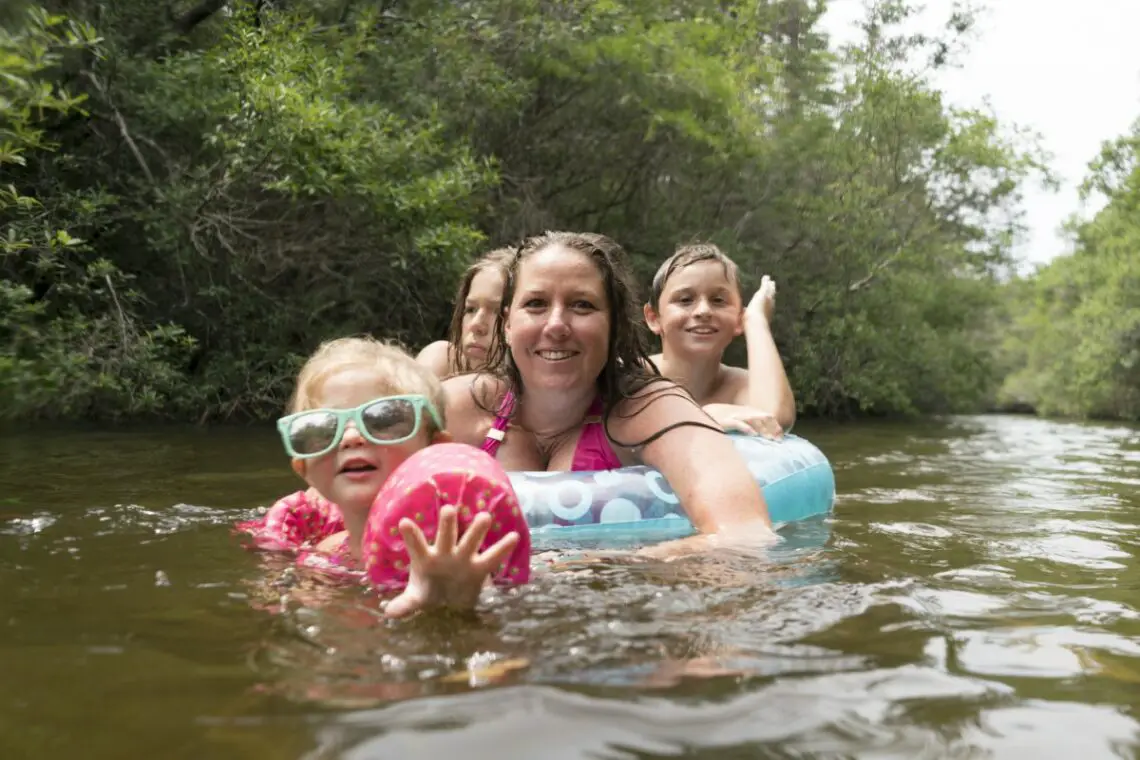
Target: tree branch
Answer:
pixel 196 15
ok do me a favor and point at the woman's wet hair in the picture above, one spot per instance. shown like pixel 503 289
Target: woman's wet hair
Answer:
pixel 498 259
pixel 628 370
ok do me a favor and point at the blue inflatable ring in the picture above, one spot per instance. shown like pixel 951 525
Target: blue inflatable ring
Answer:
pixel 637 503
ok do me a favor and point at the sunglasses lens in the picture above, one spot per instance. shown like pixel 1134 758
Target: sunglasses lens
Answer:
pixel 311 433
pixel 390 420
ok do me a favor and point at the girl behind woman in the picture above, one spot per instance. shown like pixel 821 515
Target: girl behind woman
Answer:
pixel 478 302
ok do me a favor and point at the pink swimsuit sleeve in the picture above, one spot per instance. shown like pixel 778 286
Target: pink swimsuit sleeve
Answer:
pixel 296 521
pixel 443 474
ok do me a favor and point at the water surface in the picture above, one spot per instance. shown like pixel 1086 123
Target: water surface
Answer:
pixel 975 595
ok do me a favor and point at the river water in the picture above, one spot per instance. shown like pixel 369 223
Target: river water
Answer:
pixel 976 594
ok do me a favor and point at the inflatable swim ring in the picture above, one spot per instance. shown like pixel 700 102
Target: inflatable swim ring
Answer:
pixel 637 503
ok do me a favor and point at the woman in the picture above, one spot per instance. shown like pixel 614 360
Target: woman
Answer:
pixel 477 306
pixel 568 385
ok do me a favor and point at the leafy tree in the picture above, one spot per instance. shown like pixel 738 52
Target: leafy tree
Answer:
pixel 249 178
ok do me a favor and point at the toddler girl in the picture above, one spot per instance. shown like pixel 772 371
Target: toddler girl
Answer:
pixel 367 434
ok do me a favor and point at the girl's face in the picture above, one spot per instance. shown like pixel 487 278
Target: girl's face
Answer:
pixel 700 310
pixel 558 321
pixel 483 305
pixel 352 473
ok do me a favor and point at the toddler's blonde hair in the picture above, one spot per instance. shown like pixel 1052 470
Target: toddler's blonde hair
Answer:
pixel 398 372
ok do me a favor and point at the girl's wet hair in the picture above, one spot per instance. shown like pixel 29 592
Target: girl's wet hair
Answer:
pixel 628 370
pixel 685 256
pixel 398 372
pixel 498 260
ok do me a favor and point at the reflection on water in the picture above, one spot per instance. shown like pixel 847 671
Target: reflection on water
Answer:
pixel 976 594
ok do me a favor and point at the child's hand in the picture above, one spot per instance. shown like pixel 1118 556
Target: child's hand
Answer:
pixel 448 574
pixel 745 419
pixel 763 303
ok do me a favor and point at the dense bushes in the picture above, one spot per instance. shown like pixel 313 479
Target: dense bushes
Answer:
pixel 243 180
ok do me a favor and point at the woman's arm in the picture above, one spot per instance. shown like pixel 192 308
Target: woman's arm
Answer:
pixel 701 464
pixel 435 356
pixel 768 387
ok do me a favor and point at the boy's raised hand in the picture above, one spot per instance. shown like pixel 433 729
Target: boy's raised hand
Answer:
pixel 763 303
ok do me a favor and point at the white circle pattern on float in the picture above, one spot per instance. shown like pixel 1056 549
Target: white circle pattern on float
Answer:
pixel 570 514
pixel 607 478
pixel 651 479
pixel 619 511
pixel 525 493
pixel 632 494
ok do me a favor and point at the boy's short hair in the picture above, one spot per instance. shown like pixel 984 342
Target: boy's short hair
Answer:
pixel 687 255
pixel 400 373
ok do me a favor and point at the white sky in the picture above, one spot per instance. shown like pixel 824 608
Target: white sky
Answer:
pixel 1069 71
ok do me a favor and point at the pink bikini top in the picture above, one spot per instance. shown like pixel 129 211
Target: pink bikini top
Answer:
pixel 593 451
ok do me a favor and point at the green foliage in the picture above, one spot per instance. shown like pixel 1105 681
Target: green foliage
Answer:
pixel 1074 346
pixel 246 182
pixel 71 343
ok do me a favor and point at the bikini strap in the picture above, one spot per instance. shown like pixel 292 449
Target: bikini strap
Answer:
pixel 594 413
pixel 498 429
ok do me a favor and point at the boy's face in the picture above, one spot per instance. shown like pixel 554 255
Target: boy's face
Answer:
pixel 351 474
pixel 700 310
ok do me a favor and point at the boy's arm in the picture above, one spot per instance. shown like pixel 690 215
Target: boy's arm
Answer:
pixel 768 387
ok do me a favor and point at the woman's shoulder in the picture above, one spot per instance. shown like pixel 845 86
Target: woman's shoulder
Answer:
pixel 651 410
pixel 645 392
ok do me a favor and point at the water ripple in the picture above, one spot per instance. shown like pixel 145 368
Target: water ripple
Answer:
pixel 976 594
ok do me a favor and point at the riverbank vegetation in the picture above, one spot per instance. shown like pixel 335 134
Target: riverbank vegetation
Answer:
pixel 1073 347
pixel 195 193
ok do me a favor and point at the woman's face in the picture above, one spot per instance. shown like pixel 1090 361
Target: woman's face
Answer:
pixel 484 302
pixel 558 322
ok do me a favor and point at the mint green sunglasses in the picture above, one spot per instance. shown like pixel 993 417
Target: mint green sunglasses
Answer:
pixel 384 421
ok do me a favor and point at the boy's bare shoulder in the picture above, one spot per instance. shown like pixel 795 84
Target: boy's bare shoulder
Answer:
pixel 733 388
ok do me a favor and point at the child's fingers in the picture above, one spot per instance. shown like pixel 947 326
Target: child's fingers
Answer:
pixel 447 529
pixel 474 536
pixel 402 606
pixel 414 539
pixel 497 552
